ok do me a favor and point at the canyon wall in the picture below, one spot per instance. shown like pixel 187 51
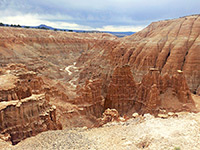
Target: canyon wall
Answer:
pixel 168 45
pixel 90 99
pixel 121 90
pixel 24 109
pixel 44 51
pixel 152 95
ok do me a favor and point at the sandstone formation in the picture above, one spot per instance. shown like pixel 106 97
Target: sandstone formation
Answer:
pixel 166 92
pixel 90 100
pixel 198 91
pixel 153 94
pixel 24 109
pixel 109 115
pixel 121 90
pixel 168 45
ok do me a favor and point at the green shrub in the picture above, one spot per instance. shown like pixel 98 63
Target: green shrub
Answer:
pixel 177 148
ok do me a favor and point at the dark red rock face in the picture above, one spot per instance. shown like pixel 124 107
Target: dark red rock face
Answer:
pixel 150 95
pixel 121 90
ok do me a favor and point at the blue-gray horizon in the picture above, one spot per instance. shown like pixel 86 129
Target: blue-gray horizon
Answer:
pixel 104 15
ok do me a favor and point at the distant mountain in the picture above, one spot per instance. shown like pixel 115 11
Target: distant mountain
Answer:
pixel 120 34
pixel 45 27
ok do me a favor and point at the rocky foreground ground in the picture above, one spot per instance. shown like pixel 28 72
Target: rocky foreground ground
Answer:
pixel 144 132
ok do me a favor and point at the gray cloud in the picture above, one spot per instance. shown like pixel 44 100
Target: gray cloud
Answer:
pixel 98 14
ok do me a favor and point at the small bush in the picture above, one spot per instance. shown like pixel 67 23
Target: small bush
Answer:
pixel 177 148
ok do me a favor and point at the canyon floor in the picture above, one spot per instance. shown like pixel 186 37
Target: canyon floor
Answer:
pixel 144 132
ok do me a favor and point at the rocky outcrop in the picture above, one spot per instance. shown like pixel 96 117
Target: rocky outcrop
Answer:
pixel 164 92
pixel 121 90
pixel 28 117
pixel 154 93
pixel 90 101
pixel 109 115
pixel 24 109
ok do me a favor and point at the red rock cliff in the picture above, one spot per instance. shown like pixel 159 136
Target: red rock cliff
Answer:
pixel 155 92
pixel 121 91
pixel 24 109
pixel 168 45
pixel 91 100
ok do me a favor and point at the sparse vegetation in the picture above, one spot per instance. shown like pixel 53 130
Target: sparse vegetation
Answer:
pixel 26 27
pixel 14 25
pixel 43 28
pixel 1 24
pixel 177 148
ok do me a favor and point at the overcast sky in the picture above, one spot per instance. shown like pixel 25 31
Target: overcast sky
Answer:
pixel 105 15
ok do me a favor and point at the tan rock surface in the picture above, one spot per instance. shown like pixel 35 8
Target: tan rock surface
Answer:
pixel 141 133
pixel 109 115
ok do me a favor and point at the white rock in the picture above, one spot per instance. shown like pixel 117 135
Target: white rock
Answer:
pixel 163 116
pixel 148 116
pixel 171 114
pixel 134 115
pixel 127 143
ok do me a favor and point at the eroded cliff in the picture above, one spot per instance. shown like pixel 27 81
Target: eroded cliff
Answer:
pixel 152 95
pixel 168 45
pixel 24 109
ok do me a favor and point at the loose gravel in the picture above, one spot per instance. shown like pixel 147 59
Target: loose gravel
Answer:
pixel 142 133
